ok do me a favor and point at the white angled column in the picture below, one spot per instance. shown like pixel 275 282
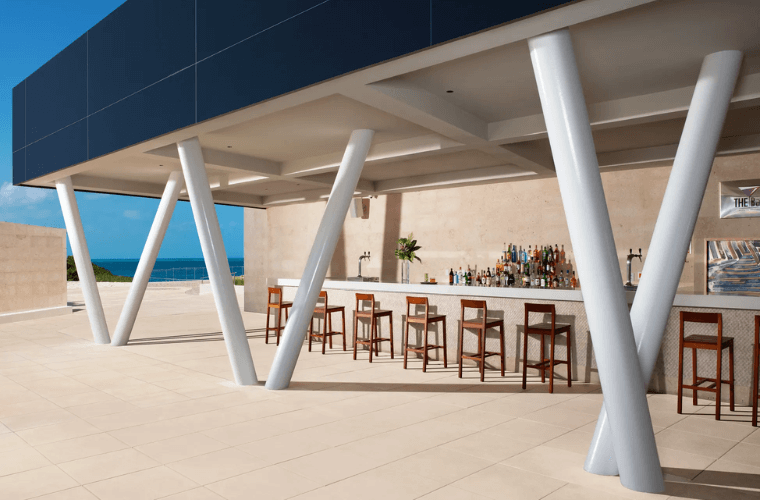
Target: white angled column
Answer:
pixel 319 259
pixel 204 213
pixel 675 225
pixel 148 259
pixel 86 275
pixel 580 184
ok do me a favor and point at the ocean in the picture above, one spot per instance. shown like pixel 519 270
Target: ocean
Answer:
pixel 168 269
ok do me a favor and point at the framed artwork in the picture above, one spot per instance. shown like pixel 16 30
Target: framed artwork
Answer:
pixel 733 266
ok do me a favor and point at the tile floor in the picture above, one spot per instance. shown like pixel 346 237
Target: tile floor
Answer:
pixel 161 419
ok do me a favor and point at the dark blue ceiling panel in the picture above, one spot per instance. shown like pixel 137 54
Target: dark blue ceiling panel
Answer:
pixel 138 44
pixel 59 150
pixel 222 23
pixel 332 39
pixel 56 93
pixel 19 116
pixel 19 166
pixel 166 106
pixel 455 18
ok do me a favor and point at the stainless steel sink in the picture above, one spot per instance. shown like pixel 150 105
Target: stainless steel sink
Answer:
pixel 372 279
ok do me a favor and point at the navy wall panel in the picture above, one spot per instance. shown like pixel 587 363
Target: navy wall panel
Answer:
pixel 224 23
pixel 19 116
pixel 166 106
pixel 56 93
pixel 138 44
pixel 327 41
pixel 56 151
pixel 455 18
pixel 19 166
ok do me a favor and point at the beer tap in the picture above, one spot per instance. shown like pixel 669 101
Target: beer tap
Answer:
pixel 631 256
pixel 361 257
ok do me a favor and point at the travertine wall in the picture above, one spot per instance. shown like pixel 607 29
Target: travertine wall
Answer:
pixel 32 267
pixel 469 225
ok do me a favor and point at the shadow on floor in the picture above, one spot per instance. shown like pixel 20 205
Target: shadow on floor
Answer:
pixel 506 385
pixel 193 337
pixel 713 485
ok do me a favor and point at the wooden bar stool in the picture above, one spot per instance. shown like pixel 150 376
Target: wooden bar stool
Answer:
pixel 481 325
pixel 710 343
pixel 279 305
pixel 755 394
pixel 373 315
pixel 424 320
pixel 327 331
pixel 550 330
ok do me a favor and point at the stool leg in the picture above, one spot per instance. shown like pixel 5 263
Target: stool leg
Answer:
pixel 311 331
pixel 551 365
pixel 482 351
pixel 501 338
pixel 327 327
pixel 680 376
pixel 343 319
pixel 694 376
pixel 406 342
pixel 424 349
pixel 569 368
pixel 718 383
pixel 755 384
pixel 525 360
pixel 356 329
pixel 372 344
pixel 266 335
pixel 542 358
pixel 390 319
pixel 445 362
pixel 459 348
pixel 279 324
pixel 731 375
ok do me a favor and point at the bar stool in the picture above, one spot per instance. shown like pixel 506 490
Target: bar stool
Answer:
pixel 545 329
pixel 373 315
pixel 755 395
pixel 710 343
pixel 425 320
pixel 327 331
pixel 481 325
pixel 279 305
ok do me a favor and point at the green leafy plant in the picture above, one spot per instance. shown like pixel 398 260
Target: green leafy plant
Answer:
pixel 406 248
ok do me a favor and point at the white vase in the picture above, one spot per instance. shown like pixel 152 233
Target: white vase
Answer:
pixel 405 271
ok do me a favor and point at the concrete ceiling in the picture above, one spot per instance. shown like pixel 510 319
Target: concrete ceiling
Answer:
pixel 638 61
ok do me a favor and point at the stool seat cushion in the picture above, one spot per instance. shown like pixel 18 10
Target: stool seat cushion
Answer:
pixel 548 326
pixel 284 304
pixel 476 322
pixel 378 312
pixel 706 339
pixel 420 318
pixel 321 309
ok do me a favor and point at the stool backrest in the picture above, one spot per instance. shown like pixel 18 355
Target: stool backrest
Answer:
pixel 361 298
pixel 709 318
pixel 274 291
pixel 417 301
pixel 322 295
pixel 475 304
pixel 540 308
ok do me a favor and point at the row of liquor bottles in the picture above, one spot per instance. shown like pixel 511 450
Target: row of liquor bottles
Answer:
pixel 546 267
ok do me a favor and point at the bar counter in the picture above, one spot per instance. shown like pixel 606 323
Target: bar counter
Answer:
pixel 508 304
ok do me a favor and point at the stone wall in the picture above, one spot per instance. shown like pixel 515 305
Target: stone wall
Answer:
pixel 32 267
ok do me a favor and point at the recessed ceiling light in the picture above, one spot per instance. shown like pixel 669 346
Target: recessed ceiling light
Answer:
pixel 229 146
pixel 449 91
pixel 160 165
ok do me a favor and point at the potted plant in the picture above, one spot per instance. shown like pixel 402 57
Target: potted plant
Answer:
pixel 405 253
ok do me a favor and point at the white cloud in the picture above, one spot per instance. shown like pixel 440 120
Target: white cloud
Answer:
pixel 11 195
pixel 132 214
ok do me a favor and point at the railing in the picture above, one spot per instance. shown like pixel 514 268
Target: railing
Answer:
pixel 188 273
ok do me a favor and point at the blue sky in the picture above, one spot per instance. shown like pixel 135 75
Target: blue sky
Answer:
pixel 31 33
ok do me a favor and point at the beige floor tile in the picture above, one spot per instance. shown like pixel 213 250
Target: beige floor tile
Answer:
pixel 299 419
pixel 10 441
pixel 245 432
pixel 742 453
pixel 529 431
pixel 101 408
pixel 195 494
pixel 708 426
pixel 376 484
pixel 489 446
pixel 274 482
pixel 218 465
pixel 690 442
pixel 34 483
pixel 501 481
pixel 452 493
pixel 679 463
pixel 26 407
pixel 283 447
pixel 440 464
pixel 568 419
pixel 82 398
pixel 753 438
pixel 576 441
pixel 180 448
pixel 20 460
pixel 68 429
pixel 82 447
pixel 331 465
pixel 473 419
pixel 146 484
pixel 78 493
pixel 576 492
pixel 107 465
pixel 31 420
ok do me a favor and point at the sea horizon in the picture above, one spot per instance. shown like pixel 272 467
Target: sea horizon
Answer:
pixel 169 269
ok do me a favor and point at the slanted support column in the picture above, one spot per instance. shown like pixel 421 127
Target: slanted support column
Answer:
pixel 588 221
pixel 207 224
pixel 86 275
pixel 319 259
pixel 675 226
pixel 148 259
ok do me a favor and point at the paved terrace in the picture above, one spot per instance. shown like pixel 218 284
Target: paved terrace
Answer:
pixel 161 419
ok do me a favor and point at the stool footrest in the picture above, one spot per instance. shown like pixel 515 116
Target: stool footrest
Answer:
pixel 478 356
pixel 421 349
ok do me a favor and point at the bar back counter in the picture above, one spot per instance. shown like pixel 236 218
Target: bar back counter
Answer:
pixel 508 304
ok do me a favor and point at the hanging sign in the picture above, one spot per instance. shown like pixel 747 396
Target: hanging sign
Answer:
pixel 740 199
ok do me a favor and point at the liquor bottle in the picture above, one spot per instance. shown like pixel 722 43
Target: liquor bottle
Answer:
pixel 488 277
pixel 562 255
pixel 542 282
pixel 451 276
pixel 504 253
pixel 573 281
pixel 555 282
pixel 567 279
pixel 530 253
pixel 556 254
